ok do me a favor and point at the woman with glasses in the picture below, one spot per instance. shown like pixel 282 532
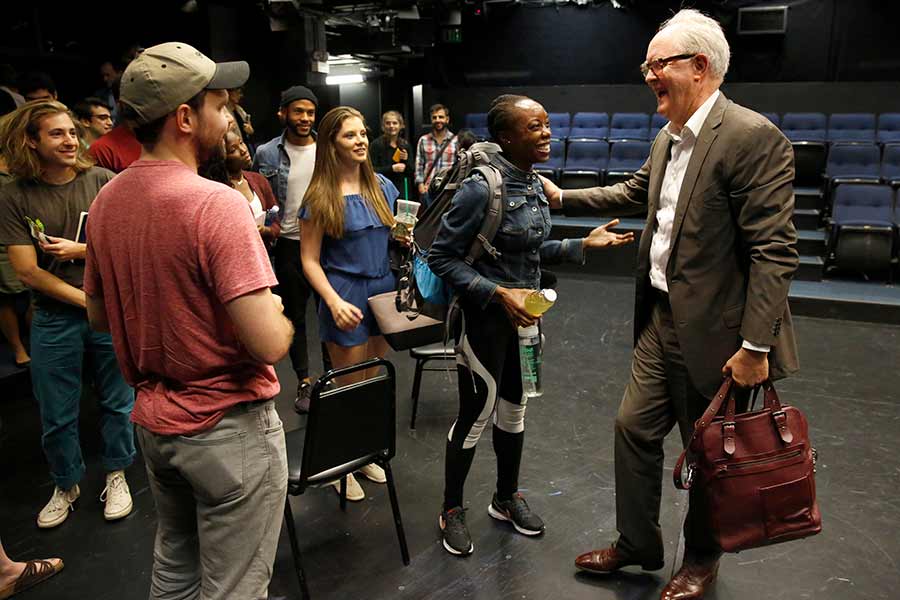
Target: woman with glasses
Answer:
pixel 346 217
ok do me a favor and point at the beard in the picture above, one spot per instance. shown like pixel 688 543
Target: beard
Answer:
pixel 298 130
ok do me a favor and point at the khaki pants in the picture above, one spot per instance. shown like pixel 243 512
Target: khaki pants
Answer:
pixel 659 395
pixel 220 501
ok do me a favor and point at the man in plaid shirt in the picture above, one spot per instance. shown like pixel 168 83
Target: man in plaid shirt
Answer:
pixel 428 163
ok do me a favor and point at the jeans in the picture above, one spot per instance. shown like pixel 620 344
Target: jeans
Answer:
pixel 219 501
pixel 60 339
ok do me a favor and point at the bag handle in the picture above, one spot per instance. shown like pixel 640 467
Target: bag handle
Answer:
pixel 771 402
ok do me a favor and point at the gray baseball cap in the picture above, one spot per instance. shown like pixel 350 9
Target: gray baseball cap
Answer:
pixel 163 77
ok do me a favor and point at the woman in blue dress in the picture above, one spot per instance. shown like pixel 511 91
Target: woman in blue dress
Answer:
pixel 346 217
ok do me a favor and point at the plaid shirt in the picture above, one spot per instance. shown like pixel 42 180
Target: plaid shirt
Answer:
pixel 426 153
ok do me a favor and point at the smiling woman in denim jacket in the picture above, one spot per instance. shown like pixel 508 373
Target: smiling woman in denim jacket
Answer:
pixel 491 293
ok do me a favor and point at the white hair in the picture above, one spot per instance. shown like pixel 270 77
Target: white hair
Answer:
pixel 700 34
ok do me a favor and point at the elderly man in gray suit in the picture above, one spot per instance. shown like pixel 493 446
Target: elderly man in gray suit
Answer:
pixel 714 268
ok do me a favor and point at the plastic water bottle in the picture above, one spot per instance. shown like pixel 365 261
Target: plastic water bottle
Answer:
pixel 271 215
pixel 531 351
pixel 537 303
pixel 530 356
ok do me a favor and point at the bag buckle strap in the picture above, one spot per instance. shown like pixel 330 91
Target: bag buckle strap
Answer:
pixel 781 423
pixel 728 437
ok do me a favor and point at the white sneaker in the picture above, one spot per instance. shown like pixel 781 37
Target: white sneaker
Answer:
pixel 57 510
pixel 117 497
pixel 373 472
pixel 355 492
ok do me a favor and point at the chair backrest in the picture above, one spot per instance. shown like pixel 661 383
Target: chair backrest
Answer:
pixel 557 156
pixel 628 156
pixel 560 124
pixel 629 126
pixel 851 127
pixel 862 203
pixel 657 122
pixel 888 127
pixel 594 125
pixel 772 117
pixel 853 160
pixel 804 127
pixel 890 162
pixel 476 121
pixel 587 154
pixel 348 426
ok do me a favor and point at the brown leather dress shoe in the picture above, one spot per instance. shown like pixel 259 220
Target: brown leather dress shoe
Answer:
pixel 691 581
pixel 610 559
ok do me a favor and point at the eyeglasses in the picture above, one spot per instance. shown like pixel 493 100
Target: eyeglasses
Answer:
pixel 659 64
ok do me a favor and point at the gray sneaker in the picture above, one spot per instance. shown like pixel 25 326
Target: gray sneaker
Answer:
pixel 517 512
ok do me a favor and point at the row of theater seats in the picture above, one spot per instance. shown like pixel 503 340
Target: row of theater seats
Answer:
pixel 864 228
pixel 588 125
pixel 587 162
pixel 797 126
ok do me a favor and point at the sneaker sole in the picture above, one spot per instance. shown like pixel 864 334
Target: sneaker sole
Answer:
pixel 449 548
pixel 119 515
pixel 502 517
pixel 59 521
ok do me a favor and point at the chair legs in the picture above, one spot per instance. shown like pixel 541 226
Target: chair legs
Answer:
pixel 395 507
pixel 417 382
pixel 295 548
pixel 344 493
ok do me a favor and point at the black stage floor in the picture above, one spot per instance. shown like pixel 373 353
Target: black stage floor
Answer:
pixel 849 386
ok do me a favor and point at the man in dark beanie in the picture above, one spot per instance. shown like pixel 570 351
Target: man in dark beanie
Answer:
pixel 287 162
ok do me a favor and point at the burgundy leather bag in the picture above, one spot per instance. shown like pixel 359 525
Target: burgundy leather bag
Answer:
pixel 756 469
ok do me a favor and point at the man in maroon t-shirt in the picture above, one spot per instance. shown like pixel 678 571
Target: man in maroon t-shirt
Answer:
pixel 117 149
pixel 181 280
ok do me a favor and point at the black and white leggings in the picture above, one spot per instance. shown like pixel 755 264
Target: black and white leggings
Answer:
pixel 490 388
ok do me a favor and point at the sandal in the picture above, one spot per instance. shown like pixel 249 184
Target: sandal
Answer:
pixel 35 572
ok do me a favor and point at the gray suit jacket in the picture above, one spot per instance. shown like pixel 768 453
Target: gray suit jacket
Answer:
pixel 733 251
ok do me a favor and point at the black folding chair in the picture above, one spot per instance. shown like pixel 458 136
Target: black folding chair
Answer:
pixel 348 427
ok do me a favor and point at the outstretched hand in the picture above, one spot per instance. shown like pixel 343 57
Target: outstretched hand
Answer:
pixel 601 237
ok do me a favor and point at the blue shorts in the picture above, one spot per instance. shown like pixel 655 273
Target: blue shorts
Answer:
pixel 355 290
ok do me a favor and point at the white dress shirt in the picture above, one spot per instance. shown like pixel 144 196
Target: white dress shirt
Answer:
pixel 683 144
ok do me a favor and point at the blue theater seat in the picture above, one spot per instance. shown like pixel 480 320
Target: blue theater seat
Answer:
pixel 888 128
pixel 804 127
pixel 585 165
pixel 629 126
pixel 851 127
pixel 863 230
pixel 624 159
pixel 590 125
pixel 560 123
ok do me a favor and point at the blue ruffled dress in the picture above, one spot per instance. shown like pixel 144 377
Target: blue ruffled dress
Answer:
pixel 357 265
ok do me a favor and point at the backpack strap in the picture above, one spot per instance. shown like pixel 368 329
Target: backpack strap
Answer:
pixel 493 215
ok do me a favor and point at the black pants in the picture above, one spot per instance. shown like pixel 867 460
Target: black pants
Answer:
pixel 295 294
pixel 490 388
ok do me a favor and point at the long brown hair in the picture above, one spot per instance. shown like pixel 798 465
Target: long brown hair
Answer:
pixel 23 124
pixel 323 198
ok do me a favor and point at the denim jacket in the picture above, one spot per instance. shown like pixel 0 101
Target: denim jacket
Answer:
pixel 521 238
pixel 273 163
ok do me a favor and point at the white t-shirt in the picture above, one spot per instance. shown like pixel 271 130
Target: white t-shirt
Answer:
pixel 256 206
pixel 303 159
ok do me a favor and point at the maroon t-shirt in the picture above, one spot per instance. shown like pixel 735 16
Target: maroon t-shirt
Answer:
pixel 116 150
pixel 166 250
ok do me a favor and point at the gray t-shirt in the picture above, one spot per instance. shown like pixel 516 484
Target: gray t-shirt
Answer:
pixel 59 208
